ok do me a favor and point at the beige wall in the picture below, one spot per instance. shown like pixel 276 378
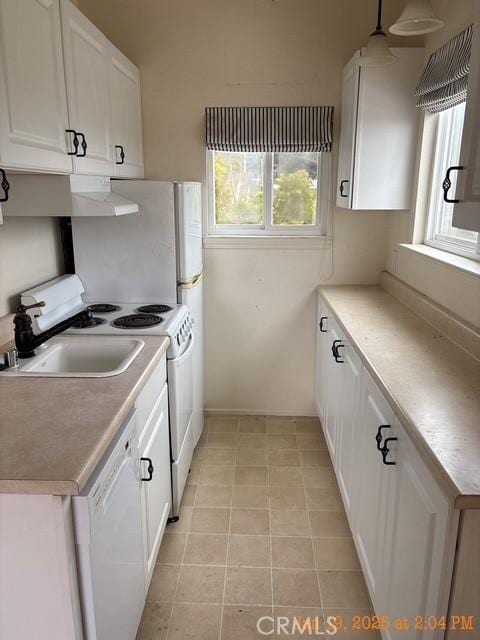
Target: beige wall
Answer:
pixel 259 303
pixel 456 290
pixel 29 254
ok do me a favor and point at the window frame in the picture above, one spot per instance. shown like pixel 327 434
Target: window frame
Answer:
pixel 267 228
pixel 442 158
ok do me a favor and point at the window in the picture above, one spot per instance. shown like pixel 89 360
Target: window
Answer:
pixel 268 193
pixel 440 233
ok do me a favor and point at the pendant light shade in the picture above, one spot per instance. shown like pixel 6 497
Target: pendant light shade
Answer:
pixel 417 18
pixel 377 53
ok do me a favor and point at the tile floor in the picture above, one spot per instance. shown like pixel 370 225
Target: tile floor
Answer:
pixel 262 532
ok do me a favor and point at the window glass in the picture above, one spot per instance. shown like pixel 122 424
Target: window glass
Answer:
pixel 239 179
pixel 441 233
pixel 295 178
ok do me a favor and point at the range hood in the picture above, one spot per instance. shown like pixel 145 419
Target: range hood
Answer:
pixel 65 196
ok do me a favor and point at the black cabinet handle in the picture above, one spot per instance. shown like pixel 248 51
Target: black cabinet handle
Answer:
pixel 336 344
pixel 122 154
pixel 83 144
pixel 320 324
pixel 75 142
pixel 5 186
pixel 150 469
pixel 378 437
pixel 447 183
pixel 342 192
pixel 385 451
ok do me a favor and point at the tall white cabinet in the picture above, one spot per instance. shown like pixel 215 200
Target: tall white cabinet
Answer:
pixel 33 101
pixel 403 526
pixel 378 136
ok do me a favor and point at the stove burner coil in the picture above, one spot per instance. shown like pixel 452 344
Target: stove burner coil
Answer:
pixel 154 308
pixel 103 308
pixel 137 321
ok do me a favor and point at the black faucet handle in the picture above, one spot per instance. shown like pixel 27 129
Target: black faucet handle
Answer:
pixel 22 308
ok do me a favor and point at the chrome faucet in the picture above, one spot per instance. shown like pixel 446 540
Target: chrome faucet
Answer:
pixel 26 341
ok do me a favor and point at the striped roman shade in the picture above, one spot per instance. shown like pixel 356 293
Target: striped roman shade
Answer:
pixel 269 128
pixel 445 78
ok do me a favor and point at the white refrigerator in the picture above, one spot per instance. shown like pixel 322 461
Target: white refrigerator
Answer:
pixel 151 256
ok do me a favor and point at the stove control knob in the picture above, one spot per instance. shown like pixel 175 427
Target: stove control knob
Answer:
pixel 178 339
pixel 183 337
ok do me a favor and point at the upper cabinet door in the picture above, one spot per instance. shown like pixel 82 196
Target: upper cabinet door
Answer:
pixel 379 132
pixel 351 75
pixel 125 96
pixel 86 67
pixel 33 104
pixel 466 214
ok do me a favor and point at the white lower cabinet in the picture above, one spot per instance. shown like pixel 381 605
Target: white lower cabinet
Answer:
pixel 349 394
pixel 321 346
pixel 371 483
pixel 403 526
pixel 416 553
pixel 154 449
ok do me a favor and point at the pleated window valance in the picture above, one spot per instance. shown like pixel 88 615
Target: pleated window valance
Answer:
pixel 445 78
pixel 291 129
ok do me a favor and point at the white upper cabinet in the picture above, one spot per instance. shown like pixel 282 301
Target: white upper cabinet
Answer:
pixel 126 110
pixel 87 75
pixel 466 214
pixel 348 131
pixel 379 129
pixel 33 104
pixel 69 100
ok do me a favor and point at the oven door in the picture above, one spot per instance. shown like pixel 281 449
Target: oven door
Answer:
pixel 180 395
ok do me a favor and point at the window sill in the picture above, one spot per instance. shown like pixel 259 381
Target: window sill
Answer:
pixel 313 243
pixel 471 267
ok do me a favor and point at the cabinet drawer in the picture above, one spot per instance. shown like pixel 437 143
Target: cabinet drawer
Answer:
pixel 151 392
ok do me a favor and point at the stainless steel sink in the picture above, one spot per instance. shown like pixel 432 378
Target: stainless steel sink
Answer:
pixel 80 357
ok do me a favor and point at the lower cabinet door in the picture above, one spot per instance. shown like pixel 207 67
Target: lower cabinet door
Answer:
pixel 156 481
pixel 371 478
pixel 419 551
pixel 321 355
pixel 333 380
pixel 348 400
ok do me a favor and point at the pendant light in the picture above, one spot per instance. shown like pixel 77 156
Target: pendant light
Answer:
pixel 377 53
pixel 417 18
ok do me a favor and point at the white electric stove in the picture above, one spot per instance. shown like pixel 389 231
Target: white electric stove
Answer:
pixel 155 319
pixel 66 296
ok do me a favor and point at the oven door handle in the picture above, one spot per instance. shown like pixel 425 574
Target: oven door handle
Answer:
pixel 183 356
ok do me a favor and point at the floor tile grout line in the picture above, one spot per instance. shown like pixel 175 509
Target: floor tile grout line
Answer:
pixel 315 563
pixel 187 533
pixel 258 535
pixel 270 538
pixel 220 631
